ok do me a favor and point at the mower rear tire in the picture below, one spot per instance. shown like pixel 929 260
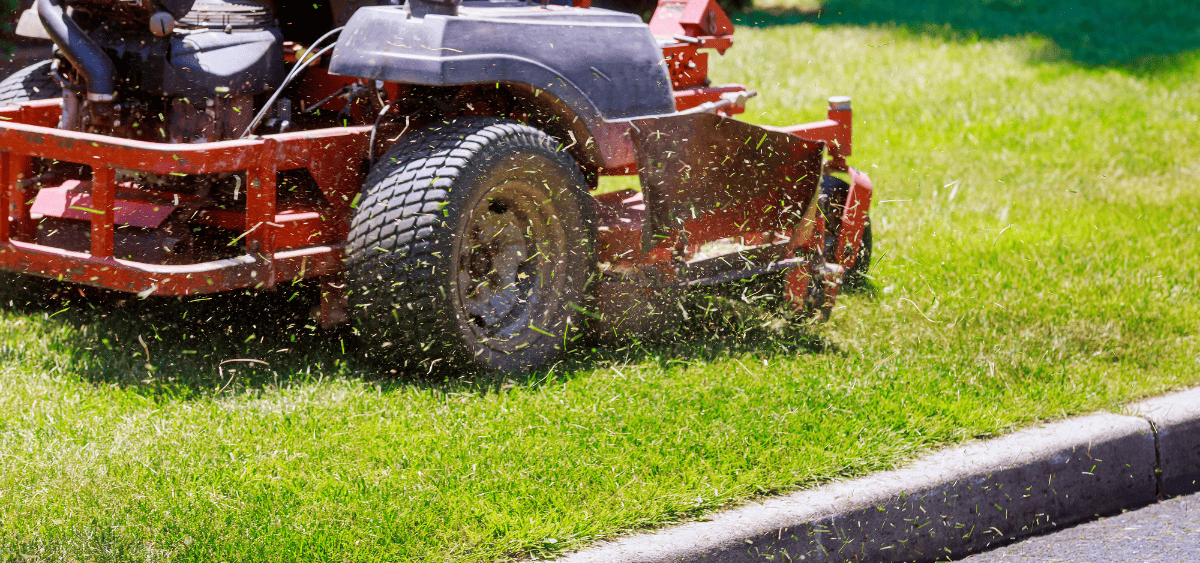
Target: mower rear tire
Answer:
pixel 834 191
pixel 856 276
pixel 473 243
pixel 31 83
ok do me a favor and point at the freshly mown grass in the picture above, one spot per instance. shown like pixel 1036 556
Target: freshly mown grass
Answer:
pixel 1035 228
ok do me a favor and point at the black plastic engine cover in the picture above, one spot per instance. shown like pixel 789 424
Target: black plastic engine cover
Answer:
pixel 228 64
pixel 605 65
pixel 205 64
pixel 176 8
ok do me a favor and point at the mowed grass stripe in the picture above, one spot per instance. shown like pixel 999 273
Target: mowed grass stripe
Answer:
pixel 1036 260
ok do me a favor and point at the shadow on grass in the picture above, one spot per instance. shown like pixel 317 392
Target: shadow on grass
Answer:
pixel 1141 35
pixel 194 347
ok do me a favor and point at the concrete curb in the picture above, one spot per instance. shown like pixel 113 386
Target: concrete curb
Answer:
pixel 1176 420
pixel 954 502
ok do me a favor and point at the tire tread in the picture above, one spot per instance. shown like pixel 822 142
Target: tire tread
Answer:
pixel 31 83
pixel 399 244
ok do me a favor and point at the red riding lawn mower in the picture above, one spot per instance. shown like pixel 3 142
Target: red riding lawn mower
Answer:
pixel 432 164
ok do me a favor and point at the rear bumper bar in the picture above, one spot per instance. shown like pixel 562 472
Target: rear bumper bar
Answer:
pixel 245 271
pixel 332 156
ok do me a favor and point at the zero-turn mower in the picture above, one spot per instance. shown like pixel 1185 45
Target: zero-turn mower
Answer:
pixel 434 165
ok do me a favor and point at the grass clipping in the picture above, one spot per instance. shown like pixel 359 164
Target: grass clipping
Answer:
pixel 1035 227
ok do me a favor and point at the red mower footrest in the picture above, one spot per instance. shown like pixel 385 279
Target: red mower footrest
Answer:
pixel 73 200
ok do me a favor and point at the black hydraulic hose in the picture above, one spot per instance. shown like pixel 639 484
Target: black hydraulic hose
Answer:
pixel 374 129
pixel 95 66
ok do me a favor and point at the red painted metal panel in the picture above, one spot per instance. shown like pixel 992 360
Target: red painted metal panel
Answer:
pixel 338 172
pixel 854 219
pixel 163 158
pixel 44 113
pixel 836 132
pixel 260 215
pixel 103 197
pixel 73 200
pixel 299 228
pixel 9 178
pixel 712 177
pixel 20 227
pixel 160 158
pixel 207 277
pixel 333 156
pixel 692 97
pixel 619 217
pixel 687 66
pixel 690 17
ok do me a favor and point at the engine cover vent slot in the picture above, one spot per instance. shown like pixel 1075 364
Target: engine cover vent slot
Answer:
pixel 229 14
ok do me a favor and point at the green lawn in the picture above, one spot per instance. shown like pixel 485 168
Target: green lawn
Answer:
pixel 1036 223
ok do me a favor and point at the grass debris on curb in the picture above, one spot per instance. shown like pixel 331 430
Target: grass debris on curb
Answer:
pixel 953 502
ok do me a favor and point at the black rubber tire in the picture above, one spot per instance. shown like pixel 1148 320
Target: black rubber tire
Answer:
pixel 416 251
pixel 833 200
pixel 856 277
pixel 28 84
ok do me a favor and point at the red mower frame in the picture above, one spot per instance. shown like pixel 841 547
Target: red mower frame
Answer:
pixel 294 242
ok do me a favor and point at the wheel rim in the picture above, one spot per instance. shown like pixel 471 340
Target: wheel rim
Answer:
pixel 511 248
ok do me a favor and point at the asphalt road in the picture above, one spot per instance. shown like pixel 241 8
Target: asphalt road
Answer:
pixel 1167 532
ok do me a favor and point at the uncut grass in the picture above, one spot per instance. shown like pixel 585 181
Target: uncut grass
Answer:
pixel 1035 258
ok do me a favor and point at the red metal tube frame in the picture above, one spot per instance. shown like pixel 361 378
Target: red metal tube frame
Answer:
pixel 836 130
pixel 332 156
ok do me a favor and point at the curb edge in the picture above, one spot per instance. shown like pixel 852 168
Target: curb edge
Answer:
pixel 952 502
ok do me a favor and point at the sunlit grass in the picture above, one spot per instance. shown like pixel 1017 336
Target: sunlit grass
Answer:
pixel 1035 258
